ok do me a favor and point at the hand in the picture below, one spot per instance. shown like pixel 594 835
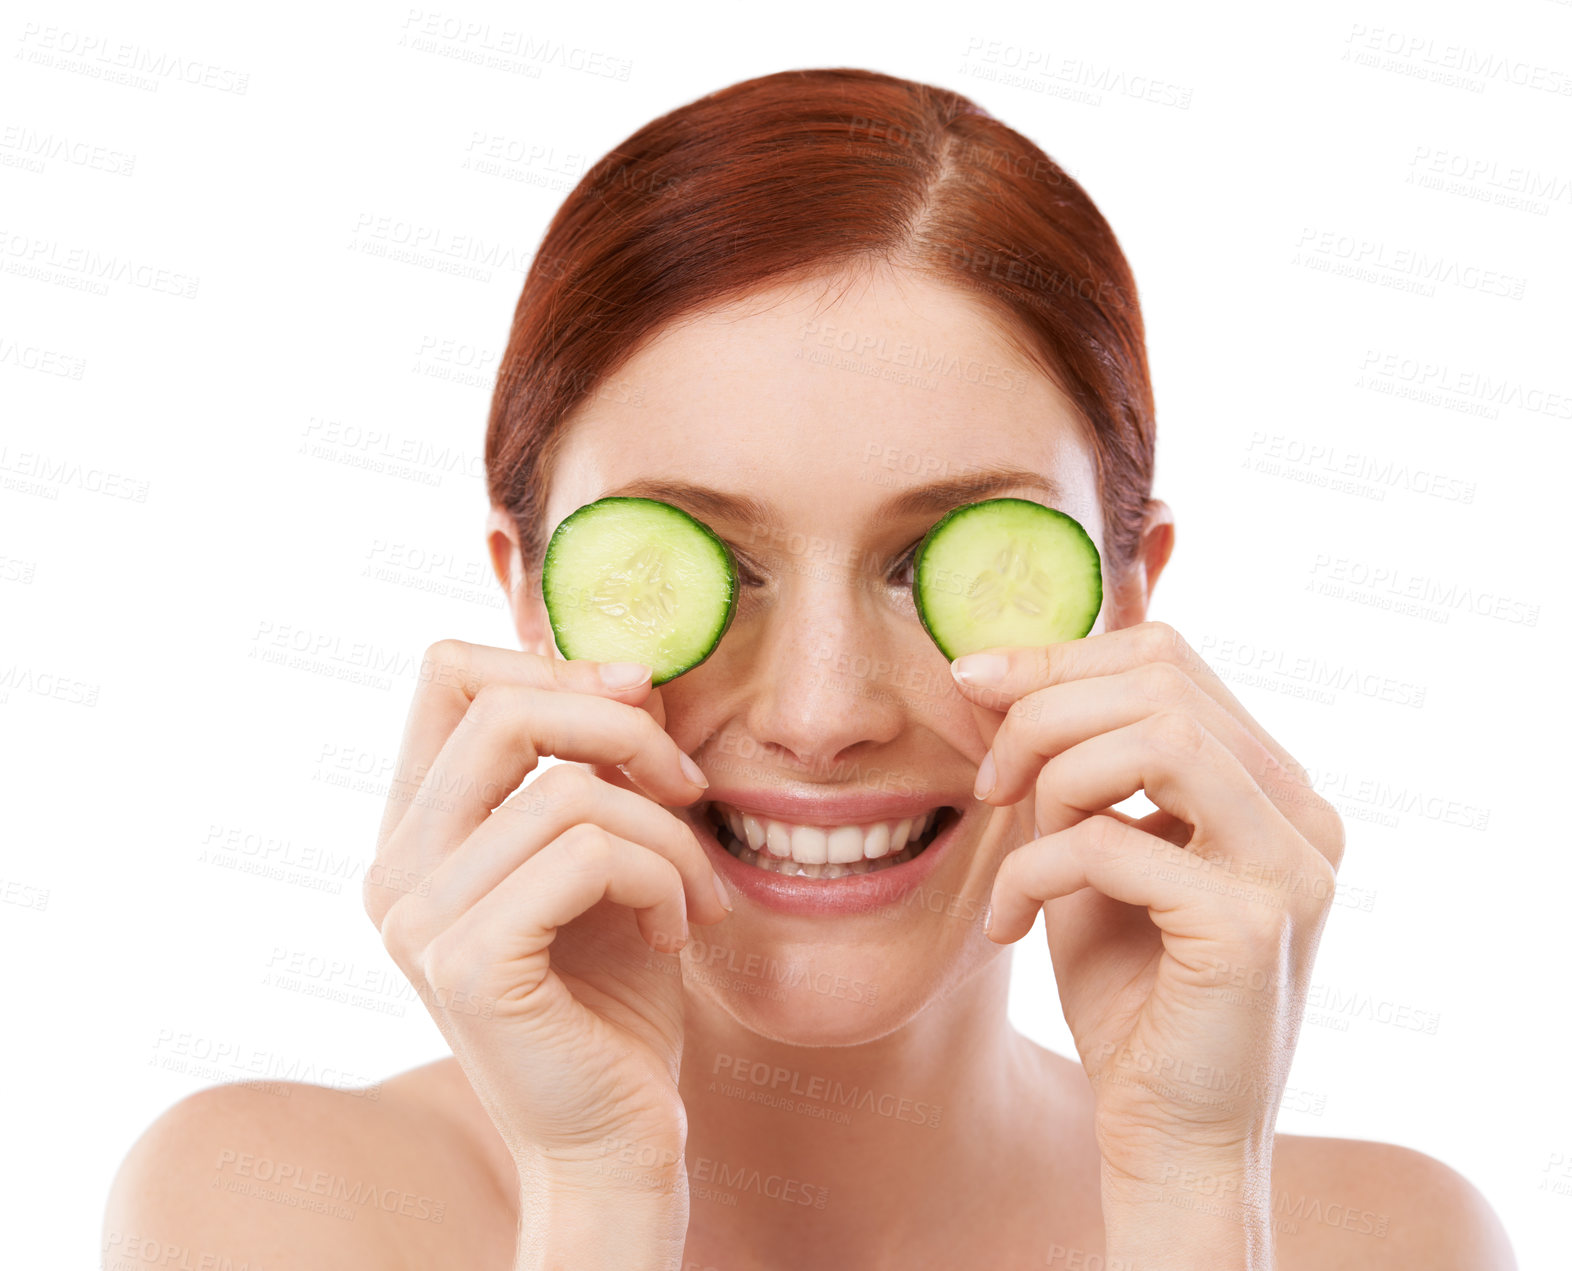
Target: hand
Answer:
pixel 1182 942
pixel 511 916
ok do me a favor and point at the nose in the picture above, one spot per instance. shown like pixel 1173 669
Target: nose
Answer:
pixel 824 690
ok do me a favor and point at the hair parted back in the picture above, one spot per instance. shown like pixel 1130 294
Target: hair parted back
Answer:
pixel 808 173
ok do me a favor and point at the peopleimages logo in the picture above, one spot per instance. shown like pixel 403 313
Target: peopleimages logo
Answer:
pixel 1434 383
pixel 778 1081
pixel 284 1181
pixel 1424 57
pixel 745 1178
pixel 1378 582
pixel 86 268
pixel 1319 679
pixel 791 975
pixel 1328 466
pixel 1399 265
pixel 115 61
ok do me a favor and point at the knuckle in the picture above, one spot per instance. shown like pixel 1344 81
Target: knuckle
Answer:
pixel 586 847
pixel 1323 874
pixel 1287 784
pixel 445 962
pixel 371 899
pixel 444 661
pixel 1100 834
pixel 400 934
pixel 1163 684
pixel 1023 710
pixel 382 889
pixel 566 784
pixel 502 710
pixel 1041 668
pixel 1176 733
pixel 492 702
pixel 531 799
pixel 1332 839
pixel 1265 926
pixel 1159 642
pixel 1318 879
pixel 446 651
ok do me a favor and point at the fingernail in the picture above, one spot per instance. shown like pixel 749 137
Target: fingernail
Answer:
pixel 986 779
pixel 621 675
pixel 720 890
pixel 691 770
pixel 980 669
pixel 988 920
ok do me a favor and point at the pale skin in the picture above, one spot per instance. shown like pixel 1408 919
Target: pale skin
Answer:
pixel 596 1079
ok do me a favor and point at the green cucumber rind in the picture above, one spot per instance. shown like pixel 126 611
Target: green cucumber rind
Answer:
pixel 558 629
pixel 968 509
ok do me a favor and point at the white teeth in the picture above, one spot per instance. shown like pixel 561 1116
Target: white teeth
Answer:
pixel 846 845
pixel 831 869
pixel 809 844
pixel 824 851
pixel 753 831
pixel 899 834
pixel 778 840
pixel 876 842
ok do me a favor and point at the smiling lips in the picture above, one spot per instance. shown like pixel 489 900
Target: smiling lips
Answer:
pixel 823 851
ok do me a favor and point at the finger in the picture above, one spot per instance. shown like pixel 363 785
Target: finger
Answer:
pixel 515 923
pixel 1161 666
pixel 1009 672
pixel 1127 865
pixel 544 810
pixel 1050 720
pixel 1163 825
pixel 1184 770
pixel 499 741
pixel 452 672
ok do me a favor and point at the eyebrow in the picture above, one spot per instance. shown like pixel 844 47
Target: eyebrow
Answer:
pixel 938 496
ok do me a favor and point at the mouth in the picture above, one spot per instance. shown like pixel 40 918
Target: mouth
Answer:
pixel 825 852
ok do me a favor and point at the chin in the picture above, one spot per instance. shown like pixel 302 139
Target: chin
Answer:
pixel 841 961
pixel 825 1008
pixel 818 993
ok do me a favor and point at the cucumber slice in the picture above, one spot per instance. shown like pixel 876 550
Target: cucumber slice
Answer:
pixel 1006 572
pixel 638 580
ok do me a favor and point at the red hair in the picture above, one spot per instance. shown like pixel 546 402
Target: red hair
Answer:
pixel 807 173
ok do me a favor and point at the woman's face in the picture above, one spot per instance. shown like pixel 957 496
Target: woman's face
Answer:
pixel 822 404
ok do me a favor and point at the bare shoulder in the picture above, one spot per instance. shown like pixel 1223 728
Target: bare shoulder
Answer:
pixel 292 1175
pixel 1361 1205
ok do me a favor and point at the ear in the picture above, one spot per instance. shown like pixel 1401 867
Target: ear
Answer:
pixel 1133 591
pixel 525 605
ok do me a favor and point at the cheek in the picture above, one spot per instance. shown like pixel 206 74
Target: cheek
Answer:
pixel 686 707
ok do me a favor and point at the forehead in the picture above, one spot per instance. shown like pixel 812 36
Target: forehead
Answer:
pixel 825 399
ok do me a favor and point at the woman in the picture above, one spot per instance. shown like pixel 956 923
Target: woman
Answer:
pixel 817 310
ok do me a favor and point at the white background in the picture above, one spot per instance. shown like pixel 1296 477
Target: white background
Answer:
pixel 192 518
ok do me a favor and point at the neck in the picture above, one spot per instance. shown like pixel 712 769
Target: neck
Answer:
pixel 846 1153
